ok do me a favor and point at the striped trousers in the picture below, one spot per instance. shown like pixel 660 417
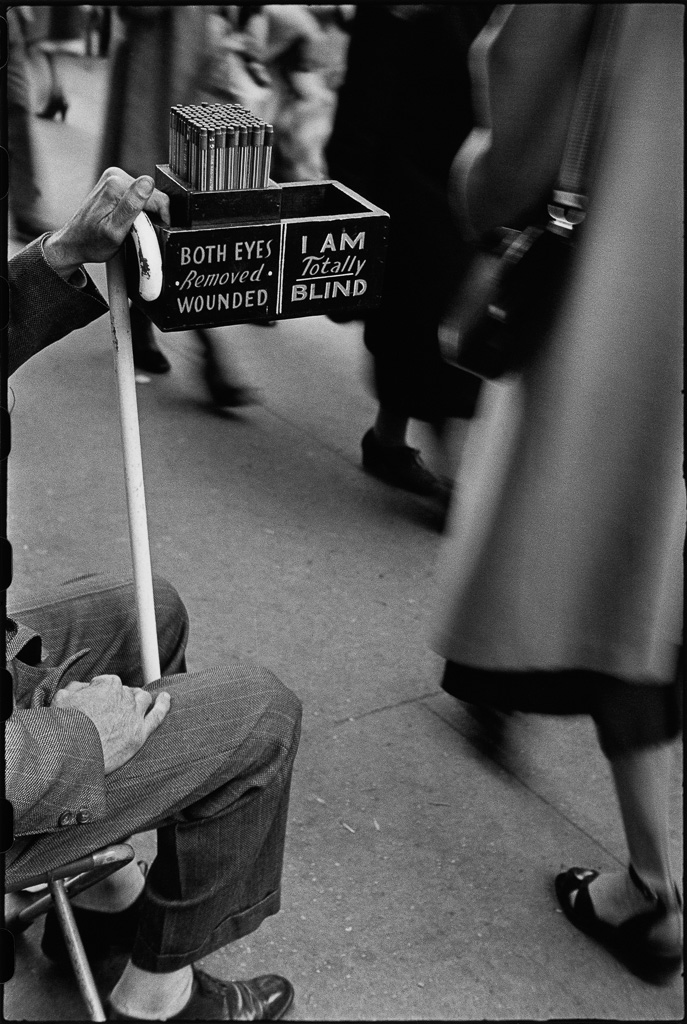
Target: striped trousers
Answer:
pixel 213 779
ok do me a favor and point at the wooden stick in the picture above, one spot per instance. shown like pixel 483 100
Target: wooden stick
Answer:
pixel 133 466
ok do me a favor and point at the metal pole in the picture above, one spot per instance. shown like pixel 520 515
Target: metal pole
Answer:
pixel 133 466
pixel 77 954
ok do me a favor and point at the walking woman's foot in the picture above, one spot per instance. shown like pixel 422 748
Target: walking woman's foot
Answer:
pixel 224 392
pixel 642 928
pixel 147 354
pixel 401 466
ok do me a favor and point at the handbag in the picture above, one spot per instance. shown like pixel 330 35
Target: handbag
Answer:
pixel 494 323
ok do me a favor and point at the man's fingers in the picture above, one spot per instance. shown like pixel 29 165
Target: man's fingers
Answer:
pixel 131 203
pixel 106 678
pixel 143 699
pixel 157 713
pixel 158 204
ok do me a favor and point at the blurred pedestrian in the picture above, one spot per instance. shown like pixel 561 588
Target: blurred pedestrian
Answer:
pixel 25 195
pixel 161 59
pixel 403 111
pixel 63 32
pixel 306 57
pixel 562 579
pixel 286 63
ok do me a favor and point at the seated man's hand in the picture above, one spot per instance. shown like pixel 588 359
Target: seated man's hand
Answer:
pixel 104 219
pixel 122 714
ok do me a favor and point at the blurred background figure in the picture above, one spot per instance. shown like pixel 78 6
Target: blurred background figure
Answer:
pixel 403 111
pixel 26 208
pixel 562 579
pixel 286 63
pixel 161 57
pixel 98 29
pixel 306 58
pixel 62 30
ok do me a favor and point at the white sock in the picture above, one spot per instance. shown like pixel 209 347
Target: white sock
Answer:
pixel 147 996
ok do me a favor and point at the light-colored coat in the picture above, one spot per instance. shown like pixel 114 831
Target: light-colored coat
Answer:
pixel 566 542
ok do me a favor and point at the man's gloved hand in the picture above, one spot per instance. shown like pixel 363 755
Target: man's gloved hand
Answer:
pixel 122 714
pixel 102 222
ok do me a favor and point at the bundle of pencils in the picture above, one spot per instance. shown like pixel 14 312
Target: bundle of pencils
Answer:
pixel 215 146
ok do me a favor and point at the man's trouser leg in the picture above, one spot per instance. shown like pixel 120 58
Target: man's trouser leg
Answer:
pixel 214 780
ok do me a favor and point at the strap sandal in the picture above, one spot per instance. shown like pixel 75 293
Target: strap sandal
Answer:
pixel 639 942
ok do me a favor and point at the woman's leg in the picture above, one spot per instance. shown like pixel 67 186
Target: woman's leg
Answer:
pixel 642 782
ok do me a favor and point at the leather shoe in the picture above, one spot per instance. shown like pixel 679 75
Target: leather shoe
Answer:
pixel 267 997
pixel 402 467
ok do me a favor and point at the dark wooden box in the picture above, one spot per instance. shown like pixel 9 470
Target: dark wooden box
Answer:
pixel 321 251
pixel 191 208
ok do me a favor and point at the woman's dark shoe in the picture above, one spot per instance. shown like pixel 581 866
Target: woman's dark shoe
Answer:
pixel 648 943
pixel 265 998
pixel 103 935
pixel 147 354
pixel 229 396
pixel 402 467
pixel 56 106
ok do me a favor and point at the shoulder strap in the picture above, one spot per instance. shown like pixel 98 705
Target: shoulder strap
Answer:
pixel 571 189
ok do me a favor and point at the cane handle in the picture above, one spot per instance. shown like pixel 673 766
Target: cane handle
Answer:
pixel 149 258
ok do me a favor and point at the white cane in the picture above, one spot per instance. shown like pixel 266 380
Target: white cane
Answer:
pixel 150 271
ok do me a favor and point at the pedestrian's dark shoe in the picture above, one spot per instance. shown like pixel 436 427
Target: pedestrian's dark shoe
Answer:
pixel 56 106
pixel 148 355
pixel 649 944
pixel 265 998
pixel 402 467
pixel 231 396
pixel 103 935
pixel 224 393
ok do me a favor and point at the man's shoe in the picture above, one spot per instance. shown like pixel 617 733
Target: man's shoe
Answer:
pixel 402 467
pixel 103 935
pixel 265 998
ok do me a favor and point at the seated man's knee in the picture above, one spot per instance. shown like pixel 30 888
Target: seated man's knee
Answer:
pixel 280 703
pixel 170 614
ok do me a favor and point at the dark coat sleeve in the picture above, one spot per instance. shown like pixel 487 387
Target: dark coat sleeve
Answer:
pixel 54 758
pixel 43 307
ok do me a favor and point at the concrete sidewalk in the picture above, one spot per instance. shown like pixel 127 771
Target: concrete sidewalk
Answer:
pixel 419 866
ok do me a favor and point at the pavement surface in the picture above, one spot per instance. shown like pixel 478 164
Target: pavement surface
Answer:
pixel 420 854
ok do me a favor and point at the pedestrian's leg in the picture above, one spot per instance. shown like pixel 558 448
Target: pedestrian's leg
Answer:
pixel 639 910
pixel 219 373
pixel 642 782
pixel 24 191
